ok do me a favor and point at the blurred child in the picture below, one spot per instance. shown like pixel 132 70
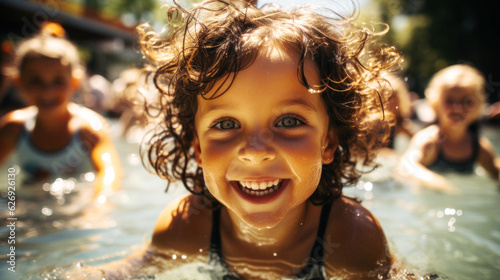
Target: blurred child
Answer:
pixel 9 97
pixel 395 91
pixel 128 102
pixel 55 137
pixel 457 95
pixel 264 115
pixel 400 105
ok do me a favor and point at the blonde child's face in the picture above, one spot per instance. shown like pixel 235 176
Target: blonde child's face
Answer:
pixel 46 83
pixel 263 143
pixel 459 106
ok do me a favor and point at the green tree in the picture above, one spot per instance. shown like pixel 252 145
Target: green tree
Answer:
pixel 139 9
pixel 433 34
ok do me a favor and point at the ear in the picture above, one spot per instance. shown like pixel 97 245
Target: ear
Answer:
pixel 197 149
pixel 329 147
pixel 17 81
pixel 75 82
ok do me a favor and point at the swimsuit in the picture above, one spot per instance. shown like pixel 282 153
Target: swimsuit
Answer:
pixel 72 160
pixel 442 164
pixel 313 270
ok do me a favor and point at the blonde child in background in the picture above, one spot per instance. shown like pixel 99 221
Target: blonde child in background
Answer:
pixel 457 95
pixel 53 137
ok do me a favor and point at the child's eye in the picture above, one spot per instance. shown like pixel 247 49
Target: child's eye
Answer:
pixel 35 82
pixel 225 124
pixel 60 82
pixel 289 121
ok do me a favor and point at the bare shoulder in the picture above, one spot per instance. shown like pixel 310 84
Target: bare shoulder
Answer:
pixel 18 117
pixel 487 157
pixel 12 123
pixel 486 145
pixel 427 135
pixel 93 126
pixel 88 118
pixel 184 226
pixel 423 146
pixel 356 239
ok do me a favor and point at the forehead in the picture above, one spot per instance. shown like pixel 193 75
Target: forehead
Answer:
pixel 42 65
pixel 460 92
pixel 271 79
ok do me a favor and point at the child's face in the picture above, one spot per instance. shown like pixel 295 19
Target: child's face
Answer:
pixel 459 106
pixel 46 83
pixel 266 128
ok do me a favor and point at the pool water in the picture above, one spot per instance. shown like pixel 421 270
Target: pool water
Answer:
pixel 60 229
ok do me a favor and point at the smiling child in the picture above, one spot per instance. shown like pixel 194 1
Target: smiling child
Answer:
pixel 54 137
pixel 266 115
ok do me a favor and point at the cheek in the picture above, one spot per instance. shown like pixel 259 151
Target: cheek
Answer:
pixel 211 182
pixel 215 158
pixel 216 153
pixel 303 156
pixel 306 148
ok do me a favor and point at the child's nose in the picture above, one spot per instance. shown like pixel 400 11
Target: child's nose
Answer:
pixel 256 150
pixel 456 105
pixel 47 88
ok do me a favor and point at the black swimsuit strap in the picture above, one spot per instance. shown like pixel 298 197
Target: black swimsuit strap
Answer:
pixel 215 239
pixel 476 146
pixel 323 223
pixel 219 268
pixel 313 270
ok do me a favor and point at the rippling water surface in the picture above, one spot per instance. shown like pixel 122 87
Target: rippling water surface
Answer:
pixel 58 228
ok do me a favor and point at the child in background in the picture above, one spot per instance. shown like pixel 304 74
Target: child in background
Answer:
pixel 54 137
pixel 400 105
pixel 394 89
pixel 457 95
pixel 265 113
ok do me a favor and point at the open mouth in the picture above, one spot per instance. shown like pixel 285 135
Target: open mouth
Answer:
pixel 48 103
pixel 456 117
pixel 260 188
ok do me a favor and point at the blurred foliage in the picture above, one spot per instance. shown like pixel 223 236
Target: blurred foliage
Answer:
pixel 433 34
pixel 134 12
pixel 140 10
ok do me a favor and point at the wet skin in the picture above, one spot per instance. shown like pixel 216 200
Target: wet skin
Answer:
pixel 47 84
pixel 459 108
pixel 266 127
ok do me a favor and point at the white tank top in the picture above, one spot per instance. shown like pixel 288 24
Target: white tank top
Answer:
pixel 71 161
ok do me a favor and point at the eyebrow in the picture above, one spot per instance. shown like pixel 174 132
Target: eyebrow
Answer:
pixel 300 102
pixel 212 107
pixel 285 103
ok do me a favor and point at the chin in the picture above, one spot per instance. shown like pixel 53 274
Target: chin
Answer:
pixel 261 220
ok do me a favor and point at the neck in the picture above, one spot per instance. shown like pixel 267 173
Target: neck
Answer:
pixel 54 121
pixel 296 221
pixel 455 133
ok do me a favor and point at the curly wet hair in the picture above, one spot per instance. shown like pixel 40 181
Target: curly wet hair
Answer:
pixel 217 38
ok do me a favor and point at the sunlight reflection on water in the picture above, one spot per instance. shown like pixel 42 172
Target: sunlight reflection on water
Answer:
pixel 454 236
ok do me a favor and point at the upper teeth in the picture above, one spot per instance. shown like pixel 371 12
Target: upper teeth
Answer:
pixel 254 185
